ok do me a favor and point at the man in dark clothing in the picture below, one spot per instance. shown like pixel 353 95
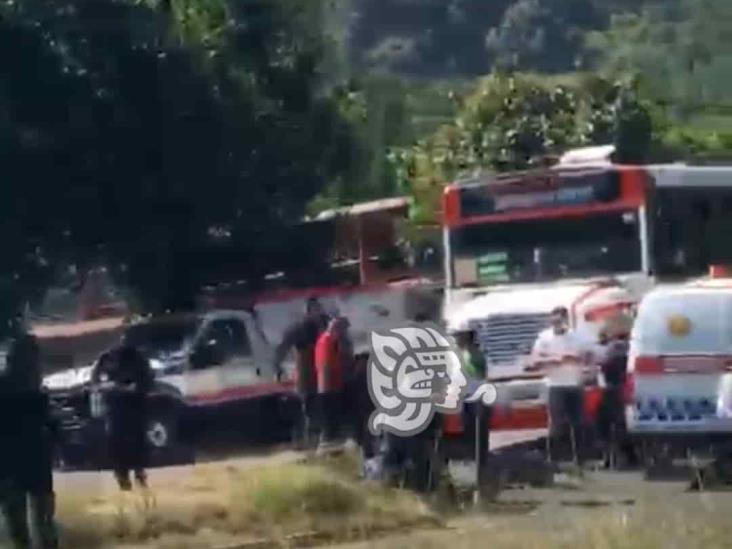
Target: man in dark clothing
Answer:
pixel 413 458
pixel 26 460
pixel 359 407
pixel 611 419
pixel 126 378
pixel 475 415
pixel 302 336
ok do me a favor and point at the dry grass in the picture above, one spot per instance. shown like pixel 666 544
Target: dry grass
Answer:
pixel 215 505
pixel 652 524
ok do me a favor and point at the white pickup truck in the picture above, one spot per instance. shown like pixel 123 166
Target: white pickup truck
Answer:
pixel 215 370
pixel 209 367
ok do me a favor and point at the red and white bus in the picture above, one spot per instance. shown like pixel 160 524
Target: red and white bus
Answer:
pixel 593 237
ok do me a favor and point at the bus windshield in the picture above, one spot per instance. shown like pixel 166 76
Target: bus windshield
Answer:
pixel 541 250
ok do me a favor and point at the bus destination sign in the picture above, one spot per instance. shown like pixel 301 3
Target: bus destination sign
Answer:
pixel 569 190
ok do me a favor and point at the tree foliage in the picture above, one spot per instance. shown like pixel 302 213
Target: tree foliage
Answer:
pixel 449 38
pixel 511 121
pixel 427 37
pixel 546 35
pixel 144 135
pixel 683 48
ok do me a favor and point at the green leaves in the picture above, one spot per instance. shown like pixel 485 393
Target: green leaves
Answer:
pixel 126 141
pixel 510 122
pixel 679 47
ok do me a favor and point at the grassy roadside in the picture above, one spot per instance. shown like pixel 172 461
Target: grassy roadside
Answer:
pixel 303 504
pixel 648 524
pixel 217 505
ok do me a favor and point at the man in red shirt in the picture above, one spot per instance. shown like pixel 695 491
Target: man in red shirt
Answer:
pixel 333 353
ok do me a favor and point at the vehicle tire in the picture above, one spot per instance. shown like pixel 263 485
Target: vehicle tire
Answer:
pixel 162 432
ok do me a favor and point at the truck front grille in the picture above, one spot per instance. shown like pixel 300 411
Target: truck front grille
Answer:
pixel 504 338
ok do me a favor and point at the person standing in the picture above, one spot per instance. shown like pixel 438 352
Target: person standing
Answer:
pixel 421 458
pixel 26 460
pixel 332 361
pixel 562 355
pixel 611 419
pixel 474 367
pixel 476 416
pixel 302 337
pixel 127 380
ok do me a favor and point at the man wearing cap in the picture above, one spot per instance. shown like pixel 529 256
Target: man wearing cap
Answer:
pixel 562 356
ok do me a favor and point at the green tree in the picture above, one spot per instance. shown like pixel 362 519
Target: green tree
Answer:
pixel 151 142
pixel 425 38
pixel 542 35
pixel 511 121
pixel 682 48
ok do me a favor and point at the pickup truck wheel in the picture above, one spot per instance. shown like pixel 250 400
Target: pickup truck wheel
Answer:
pixel 161 432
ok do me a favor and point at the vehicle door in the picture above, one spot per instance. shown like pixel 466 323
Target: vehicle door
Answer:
pixel 263 352
pixel 202 380
pixel 233 354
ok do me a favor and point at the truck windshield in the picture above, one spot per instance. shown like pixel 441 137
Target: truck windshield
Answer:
pixel 545 249
pixel 169 335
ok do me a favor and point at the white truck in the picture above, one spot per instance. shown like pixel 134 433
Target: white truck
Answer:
pixel 214 370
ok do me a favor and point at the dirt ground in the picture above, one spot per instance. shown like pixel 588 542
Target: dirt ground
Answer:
pixel 603 510
pixel 104 481
pixel 600 510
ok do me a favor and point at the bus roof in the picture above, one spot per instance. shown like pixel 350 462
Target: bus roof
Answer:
pixel 488 178
pixel 665 175
pixel 676 175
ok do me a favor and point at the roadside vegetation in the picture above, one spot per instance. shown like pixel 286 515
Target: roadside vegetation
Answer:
pixel 323 502
pixel 220 122
pixel 216 505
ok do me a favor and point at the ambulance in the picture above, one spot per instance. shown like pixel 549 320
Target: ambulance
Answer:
pixel 679 388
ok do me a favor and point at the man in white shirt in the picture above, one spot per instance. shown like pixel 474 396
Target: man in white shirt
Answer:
pixel 562 355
